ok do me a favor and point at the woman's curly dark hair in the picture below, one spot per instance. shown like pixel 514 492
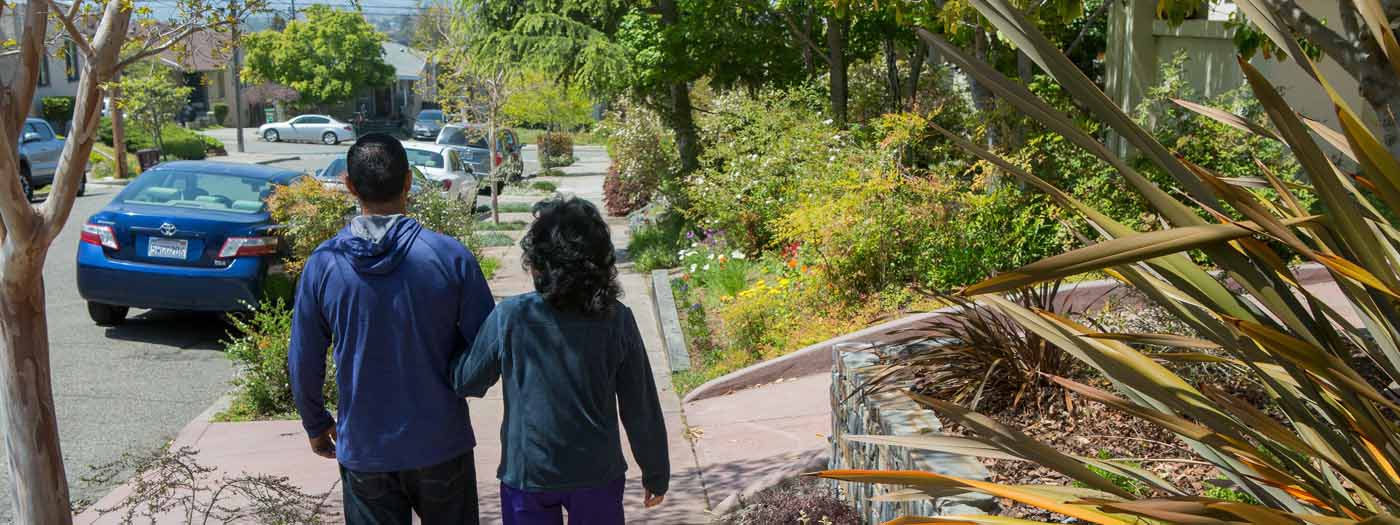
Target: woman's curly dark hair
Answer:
pixel 569 252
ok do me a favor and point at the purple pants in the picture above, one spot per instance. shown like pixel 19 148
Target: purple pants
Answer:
pixel 601 505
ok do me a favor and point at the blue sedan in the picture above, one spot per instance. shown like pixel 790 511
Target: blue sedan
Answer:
pixel 183 236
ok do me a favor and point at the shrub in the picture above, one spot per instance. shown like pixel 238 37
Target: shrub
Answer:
pixel 310 214
pixel 760 154
pixel 181 143
pixel 220 110
pixel 643 154
pixel 544 185
pixel 443 214
pixel 58 111
pixel 258 349
pixel 555 146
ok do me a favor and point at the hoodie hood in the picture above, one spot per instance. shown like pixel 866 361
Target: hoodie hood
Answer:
pixel 377 244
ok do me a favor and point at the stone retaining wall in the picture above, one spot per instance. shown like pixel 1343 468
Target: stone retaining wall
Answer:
pixel 855 412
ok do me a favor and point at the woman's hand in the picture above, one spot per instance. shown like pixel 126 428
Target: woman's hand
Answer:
pixel 652 501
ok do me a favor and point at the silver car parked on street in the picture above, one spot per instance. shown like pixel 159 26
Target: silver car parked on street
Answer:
pixel 39 151
pixel 319 128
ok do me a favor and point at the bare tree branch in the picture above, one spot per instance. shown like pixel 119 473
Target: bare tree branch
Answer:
pixel 171 38
pixel 1088 24
pixel 799 33
pixel 70 25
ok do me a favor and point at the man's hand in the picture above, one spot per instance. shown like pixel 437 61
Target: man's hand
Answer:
pixel 324 444
pixel 652 501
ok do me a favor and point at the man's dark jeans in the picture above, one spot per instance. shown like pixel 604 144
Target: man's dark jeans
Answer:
pixel 443 494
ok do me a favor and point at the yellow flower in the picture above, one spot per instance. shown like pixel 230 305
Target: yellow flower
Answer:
pixel 784 281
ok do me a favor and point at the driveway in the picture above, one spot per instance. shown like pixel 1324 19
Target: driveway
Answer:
pixel 123 389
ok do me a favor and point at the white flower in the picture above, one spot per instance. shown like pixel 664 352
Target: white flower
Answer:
pixel 827 122
pixel 711 257
pixel 737 255
pixel 692 268
pixel 706 268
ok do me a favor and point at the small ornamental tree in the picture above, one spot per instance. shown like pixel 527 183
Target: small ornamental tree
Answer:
pixel 325 58
pixel 152 97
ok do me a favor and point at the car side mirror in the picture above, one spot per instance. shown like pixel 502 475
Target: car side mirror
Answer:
pixel 31 137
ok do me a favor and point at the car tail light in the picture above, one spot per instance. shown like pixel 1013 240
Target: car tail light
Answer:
pixel 100 235
pixel 447 185
pixel 347 127
pixel 497 158
pixel 248 246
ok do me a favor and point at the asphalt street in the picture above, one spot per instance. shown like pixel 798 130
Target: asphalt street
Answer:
pixel 123 389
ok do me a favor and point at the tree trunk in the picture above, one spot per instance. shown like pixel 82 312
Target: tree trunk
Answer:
pixel 917 57
pixel 982 98
pixel 682 118
pixel 892 74
pixel 836 29
pixel 118 134
pixel 40 488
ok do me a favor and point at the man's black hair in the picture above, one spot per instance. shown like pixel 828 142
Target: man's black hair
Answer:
pixel 377 167
pixel 569 252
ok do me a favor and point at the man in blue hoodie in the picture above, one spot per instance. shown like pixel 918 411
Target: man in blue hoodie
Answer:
pixel 399 302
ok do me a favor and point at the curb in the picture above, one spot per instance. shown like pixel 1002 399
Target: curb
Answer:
pixel 111 182
pixel 669 320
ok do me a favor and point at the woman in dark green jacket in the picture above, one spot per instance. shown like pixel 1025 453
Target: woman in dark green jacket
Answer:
pixel 572 362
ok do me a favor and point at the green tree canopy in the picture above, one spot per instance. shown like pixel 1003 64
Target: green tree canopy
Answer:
pixel 325 57
pixel 537 99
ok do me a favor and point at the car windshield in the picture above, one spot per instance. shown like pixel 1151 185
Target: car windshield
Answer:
pixel 333 171
pixel 460 136
pixel 424 158
pixel 206 191
pixel 430 115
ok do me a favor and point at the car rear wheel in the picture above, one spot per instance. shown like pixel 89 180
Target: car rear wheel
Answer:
pixel 106 314
pixel 24 183
pixel 329 138
pixel 271 135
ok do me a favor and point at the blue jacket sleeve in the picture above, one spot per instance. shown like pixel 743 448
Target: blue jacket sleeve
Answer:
pixel 639 407
pixel 306 356
pixel 476 366
pixel 474 371
pixel 476 301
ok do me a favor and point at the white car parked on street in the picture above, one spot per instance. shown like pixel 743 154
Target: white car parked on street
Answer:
pixel 444 165
pixel 310 128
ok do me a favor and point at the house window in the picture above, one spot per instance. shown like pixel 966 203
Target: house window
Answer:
pixel 70 61
pixel 44 70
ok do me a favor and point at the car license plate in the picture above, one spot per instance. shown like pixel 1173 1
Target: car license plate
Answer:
pixel 168 248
